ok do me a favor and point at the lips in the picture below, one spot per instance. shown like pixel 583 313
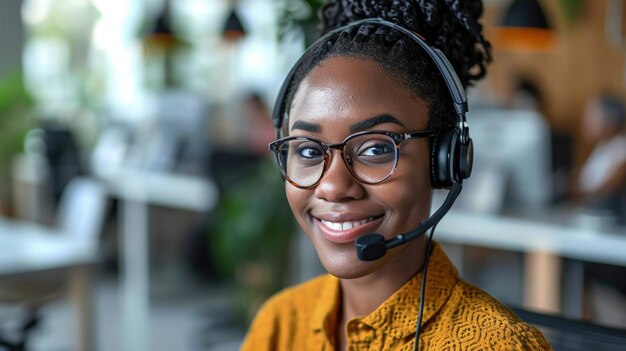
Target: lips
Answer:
pixel 341 229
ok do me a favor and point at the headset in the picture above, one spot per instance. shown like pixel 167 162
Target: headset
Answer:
pixel 451 149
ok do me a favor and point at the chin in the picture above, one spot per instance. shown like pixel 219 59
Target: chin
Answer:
pixel 346 265
pixel 353 272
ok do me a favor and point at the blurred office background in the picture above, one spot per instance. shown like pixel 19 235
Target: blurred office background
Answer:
pixel 140 210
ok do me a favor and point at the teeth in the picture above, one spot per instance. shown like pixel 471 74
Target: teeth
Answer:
pixel 345 225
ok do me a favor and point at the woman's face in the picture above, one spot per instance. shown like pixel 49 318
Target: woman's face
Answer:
pixel 341 96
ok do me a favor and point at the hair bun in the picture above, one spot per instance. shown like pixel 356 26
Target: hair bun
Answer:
pixel 449 25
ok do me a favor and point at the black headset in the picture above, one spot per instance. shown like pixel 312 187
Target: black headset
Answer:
pixel 452 151
pixel 450 161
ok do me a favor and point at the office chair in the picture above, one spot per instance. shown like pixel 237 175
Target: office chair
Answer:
pixel 566 334
pixel 80 215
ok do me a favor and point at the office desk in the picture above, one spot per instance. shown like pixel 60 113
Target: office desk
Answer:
pixel 27 248
pixel 544 242
pixel 137 190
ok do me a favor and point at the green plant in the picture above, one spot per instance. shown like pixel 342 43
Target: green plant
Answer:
pixel 572 9
pixel 300 15
pixel 15 121
pixel 250 245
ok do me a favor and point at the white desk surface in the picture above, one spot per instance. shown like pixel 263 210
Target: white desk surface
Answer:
pixel 139 189
pixel 27 247
pixel 163 189
pixel 539 235
pixel 30 248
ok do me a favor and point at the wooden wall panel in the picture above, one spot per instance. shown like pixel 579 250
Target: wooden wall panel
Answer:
pixel 582 63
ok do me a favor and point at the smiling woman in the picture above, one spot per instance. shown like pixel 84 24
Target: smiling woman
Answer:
pixel 371 120
pixel 339 97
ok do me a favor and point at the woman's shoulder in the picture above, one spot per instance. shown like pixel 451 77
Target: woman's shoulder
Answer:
pixel 296 296
pixel 289 313
pixel 472 309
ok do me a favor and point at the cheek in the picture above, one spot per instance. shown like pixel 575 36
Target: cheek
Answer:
pixel 414 166
pixel 298 200
pixel 409 193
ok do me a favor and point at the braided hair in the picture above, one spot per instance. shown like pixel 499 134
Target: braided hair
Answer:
pixel 449 25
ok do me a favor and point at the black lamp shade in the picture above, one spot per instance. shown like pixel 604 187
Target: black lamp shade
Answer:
pixel 161 31
pixel 233 28
pixel 162 26
pixel 525 14
pixel 525 27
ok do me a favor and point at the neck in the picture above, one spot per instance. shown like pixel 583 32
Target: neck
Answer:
pixel 362 296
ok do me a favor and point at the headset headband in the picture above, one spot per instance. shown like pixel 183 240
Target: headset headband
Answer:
pixel 441 62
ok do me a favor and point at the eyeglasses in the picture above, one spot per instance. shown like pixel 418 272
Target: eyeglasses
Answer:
pixel 371 156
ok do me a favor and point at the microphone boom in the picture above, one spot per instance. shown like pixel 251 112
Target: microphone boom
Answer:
pixel 372 246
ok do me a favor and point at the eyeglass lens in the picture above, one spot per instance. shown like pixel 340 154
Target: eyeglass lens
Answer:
pixel 371 158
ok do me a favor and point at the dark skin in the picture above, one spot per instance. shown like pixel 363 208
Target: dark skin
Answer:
pixel 341 96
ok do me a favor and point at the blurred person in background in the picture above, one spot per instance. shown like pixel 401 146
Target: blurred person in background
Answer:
pixel 261 131
pixel 601 182
pixel 374 94
pixel 600 186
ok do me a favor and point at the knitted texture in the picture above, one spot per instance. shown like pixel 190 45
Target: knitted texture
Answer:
pixel 457 316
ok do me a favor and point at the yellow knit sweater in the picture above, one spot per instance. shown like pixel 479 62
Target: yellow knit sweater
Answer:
pixel 457 316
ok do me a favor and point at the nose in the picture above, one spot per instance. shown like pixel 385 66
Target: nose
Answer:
pixel 337 183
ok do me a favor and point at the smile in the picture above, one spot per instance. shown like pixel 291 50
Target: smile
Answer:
pixel 344 231
pixel 345 225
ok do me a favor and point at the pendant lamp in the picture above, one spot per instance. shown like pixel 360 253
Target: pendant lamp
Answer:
pixel 161 34
pixel 233 28
pixel 525 26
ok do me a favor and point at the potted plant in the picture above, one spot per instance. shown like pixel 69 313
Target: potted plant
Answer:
pixel 252 237
pixel 15 121
pixel 300 15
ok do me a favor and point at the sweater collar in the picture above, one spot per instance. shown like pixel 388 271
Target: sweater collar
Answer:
pixel 398 314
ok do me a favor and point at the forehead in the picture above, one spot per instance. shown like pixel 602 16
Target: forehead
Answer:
pixel 342 91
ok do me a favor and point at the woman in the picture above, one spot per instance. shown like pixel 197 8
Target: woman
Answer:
pixel 364 108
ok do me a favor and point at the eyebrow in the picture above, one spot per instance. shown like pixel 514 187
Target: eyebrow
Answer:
pixel 306 126
pixel 357 127
pixel 374 121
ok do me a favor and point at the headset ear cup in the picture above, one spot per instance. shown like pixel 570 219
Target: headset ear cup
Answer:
pixel 466 159
pixel 444 153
